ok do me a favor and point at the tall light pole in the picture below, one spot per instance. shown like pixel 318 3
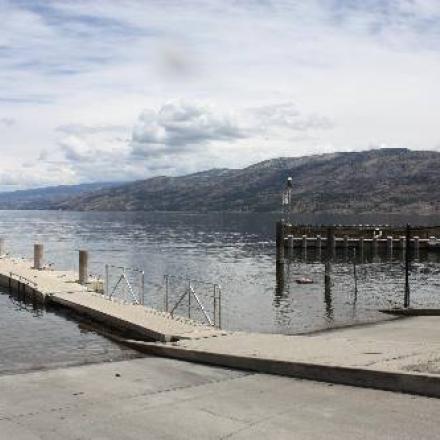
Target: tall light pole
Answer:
pixel 287 200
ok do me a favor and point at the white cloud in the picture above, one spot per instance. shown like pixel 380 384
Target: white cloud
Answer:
pixel 287 115
pixel 180 126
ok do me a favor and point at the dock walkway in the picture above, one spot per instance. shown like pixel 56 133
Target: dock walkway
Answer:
pixel 61 287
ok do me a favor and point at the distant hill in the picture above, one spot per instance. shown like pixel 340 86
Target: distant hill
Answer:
pixel 382 180
pixel 43 198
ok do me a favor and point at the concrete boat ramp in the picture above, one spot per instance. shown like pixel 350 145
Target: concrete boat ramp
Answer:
pixel 398 355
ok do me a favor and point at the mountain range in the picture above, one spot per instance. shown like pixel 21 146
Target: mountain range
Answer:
pixel 381 180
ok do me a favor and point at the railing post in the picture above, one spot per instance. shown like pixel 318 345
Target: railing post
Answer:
pixel 406 300
pixel 219 307
pixel 143 288
pixel 189 299
pixel 38 256
pixel 83 274
pixel 167 284
pixel 215 306
pixel 107 290
pixel 2 246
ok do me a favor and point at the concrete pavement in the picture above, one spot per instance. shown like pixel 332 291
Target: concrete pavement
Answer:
pixel 400 355
pixel 156 398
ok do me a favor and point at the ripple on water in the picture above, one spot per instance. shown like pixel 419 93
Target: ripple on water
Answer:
pixel 35 338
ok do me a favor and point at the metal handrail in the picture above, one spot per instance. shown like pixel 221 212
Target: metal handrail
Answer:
pixel 189 292
pixel 123 276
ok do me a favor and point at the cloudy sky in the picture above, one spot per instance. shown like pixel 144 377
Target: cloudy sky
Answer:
pixel 100 90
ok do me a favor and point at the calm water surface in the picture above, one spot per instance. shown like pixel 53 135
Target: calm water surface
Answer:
pixel 32 338
pixel 235 250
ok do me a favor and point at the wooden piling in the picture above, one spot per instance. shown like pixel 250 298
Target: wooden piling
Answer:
pixel 38 256
pixel 82 267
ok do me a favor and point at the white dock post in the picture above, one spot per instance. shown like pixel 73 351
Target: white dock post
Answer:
pixel 304 241
pixel 416 246
pixel 38 256
pixel 416 243
pixel 345 242
pixel 361 249
pixel 2 246
pixel 318 243
pixel 390 243
pixel 402 243
pixel 82 268
pixel 290 245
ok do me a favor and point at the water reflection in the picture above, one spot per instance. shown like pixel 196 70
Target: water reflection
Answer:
pixel 35 337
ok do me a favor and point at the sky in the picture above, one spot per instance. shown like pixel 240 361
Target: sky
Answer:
pixel 115 90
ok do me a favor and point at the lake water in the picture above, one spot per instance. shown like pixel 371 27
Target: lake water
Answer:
pixel 33 338
pixel 234 250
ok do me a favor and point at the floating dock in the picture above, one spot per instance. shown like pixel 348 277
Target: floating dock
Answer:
pixel 63 289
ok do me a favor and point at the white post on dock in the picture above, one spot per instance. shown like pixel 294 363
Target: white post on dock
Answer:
pixel 318 246
pixel 38 256
pixel 304 241
pixel 390 243
pixel 416 246
pixel 2 246
pixel 402 242
pixel 82 268
pixel 416 242
pixel 318 243
pixel 290 245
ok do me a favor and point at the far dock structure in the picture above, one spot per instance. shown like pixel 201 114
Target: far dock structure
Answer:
pixel 405 237
pixel 384 237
